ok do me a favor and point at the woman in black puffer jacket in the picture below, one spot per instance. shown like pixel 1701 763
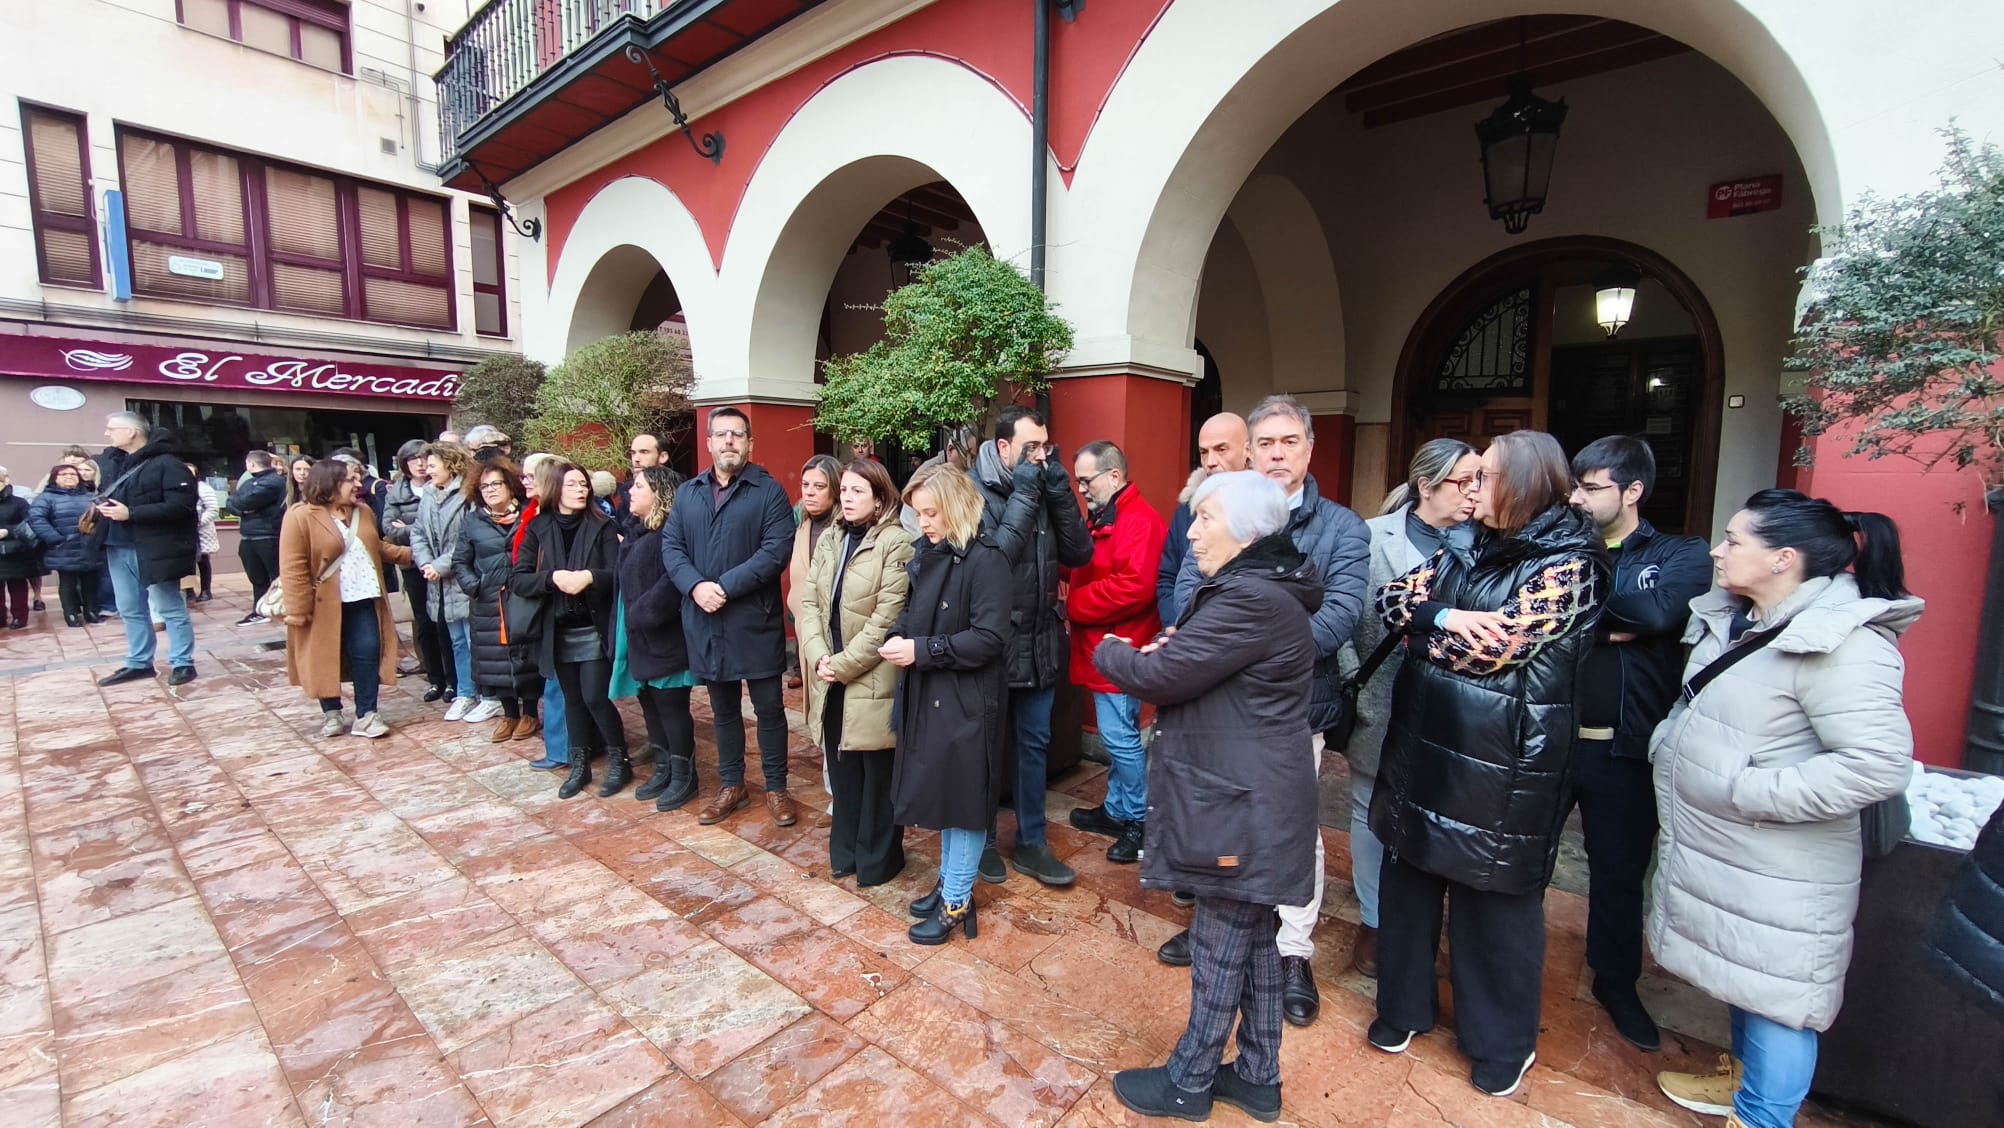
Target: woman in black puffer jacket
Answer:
pixel 483 564
pixel 1473 782
pixel 20 552
pixel 66 548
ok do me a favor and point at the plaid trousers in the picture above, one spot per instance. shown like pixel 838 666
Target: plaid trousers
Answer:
pixel 1234 971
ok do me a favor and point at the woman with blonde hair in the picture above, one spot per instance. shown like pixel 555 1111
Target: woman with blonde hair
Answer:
pixel 650 660
pixel 855 590
pixel 950 643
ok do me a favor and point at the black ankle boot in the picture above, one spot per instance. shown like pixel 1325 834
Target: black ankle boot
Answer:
pixel 924 906
pixel 658 782
pixel 618 773
pixel 938 928
pixel 580 774
pixel 681 784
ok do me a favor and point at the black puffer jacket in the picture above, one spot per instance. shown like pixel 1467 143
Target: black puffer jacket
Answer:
pixel 259 504
pixel 163 529
pixel 1033 517
pixel 482 564
pixel 594 548
pixel 653 608
pixel 1968 939
pixel 1231 775
pixel 1631 685
pixel 401 505
pixel 1476 770
pixel 20 550
pixel 54 515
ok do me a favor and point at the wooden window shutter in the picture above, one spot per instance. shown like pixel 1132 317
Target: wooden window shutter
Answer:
pixel 60 197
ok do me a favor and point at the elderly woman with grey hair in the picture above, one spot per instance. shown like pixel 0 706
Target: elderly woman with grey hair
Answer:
pixel 1231 788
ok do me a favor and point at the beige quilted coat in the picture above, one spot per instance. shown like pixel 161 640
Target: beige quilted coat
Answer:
pixel 873 596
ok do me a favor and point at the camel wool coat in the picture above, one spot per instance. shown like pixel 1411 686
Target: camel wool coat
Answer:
pixel 873 596
pixel 309 542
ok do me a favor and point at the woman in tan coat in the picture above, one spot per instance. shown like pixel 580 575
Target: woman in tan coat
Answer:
pixel 854 593
pixel 330 566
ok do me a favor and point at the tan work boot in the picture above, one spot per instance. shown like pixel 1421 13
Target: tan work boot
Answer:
pixel 727 802
pixel 1708 1093
pixel 504 729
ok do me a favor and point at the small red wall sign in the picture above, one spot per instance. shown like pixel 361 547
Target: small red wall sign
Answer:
pixel 1744 197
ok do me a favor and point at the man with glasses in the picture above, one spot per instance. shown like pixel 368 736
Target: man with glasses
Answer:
pixel 1629 681
pixel 146 520
pixel 1337 542
pixel 726 544
pixel 1115 595
pixel 1029 509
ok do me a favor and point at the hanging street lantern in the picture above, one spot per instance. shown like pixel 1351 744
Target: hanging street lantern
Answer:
pixel 1519 139
pixel 1614 297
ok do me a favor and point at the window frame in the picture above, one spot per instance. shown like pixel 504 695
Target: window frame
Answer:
pixel 39 219
pixel 258 251
pixel 320 14
pixel 477 213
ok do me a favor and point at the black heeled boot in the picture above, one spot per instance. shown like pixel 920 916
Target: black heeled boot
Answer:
pixel 618 773
pixel 580 774
pixel 924 906
pixel 938 928
pixel 681 784
pixel 658 782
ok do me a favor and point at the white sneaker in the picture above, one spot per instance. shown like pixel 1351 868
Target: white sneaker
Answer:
pixel 335 724
pixel 457 710
pixel 488 709
pixel 370 726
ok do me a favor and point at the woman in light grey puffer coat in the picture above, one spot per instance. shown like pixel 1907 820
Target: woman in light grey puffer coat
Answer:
pixel 1760 780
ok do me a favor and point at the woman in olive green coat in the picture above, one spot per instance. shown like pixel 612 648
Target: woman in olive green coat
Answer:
pixel 855 591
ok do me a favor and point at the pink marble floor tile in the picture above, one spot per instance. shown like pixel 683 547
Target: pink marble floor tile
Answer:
pixel 825 902
pixel 989 1065
pixel 559 1066
pixel 120 953
pixel 467 992
pixel 614 936
pixel 874 1089
pixel 104 1037
pixel 774 1073
pixel 418 925
pixel 405 1083
pixel 235 1081
pixel 706 1006
pixel 675 1101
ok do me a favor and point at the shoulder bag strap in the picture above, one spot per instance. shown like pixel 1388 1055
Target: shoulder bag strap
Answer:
pixel 119 481
pixel 1377 658
pixel 1724 662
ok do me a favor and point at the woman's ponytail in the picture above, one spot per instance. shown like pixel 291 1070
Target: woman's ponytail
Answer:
pixel 1881 571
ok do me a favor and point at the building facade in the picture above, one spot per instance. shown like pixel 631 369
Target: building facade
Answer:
pixel 235 227
pixel 1245 198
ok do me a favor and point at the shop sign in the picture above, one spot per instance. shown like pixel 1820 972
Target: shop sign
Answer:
pixel 221 368
pixel 1744 197
pixel 194 267
pixel 56 397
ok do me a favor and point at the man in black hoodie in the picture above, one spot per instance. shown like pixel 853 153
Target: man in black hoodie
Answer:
pixel 147 524
pixel 259 503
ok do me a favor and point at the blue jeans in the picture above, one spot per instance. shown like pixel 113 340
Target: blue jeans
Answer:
pixel 1031 710
pixel 1367 854
pixel 461 636
pixel 362 645
pixel 1120 732
pixel 123 564
pixel 1780 1063
pixel 959 854
pixel 556 737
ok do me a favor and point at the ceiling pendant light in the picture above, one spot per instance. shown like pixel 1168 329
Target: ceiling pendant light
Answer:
pixel 1614 297
pixel 1519 139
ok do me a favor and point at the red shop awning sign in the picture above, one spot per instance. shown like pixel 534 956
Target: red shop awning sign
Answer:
pixel 60 358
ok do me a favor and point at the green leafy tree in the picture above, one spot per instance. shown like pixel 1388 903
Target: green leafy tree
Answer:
pixel 966 328
pixel 608 391
pixel 1903 346
pixel 500 390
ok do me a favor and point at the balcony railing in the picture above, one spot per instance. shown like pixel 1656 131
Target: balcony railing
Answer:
pixel 508 44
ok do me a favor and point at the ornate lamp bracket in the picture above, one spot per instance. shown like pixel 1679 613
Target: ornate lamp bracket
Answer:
pixel 527 228
pixel 712 144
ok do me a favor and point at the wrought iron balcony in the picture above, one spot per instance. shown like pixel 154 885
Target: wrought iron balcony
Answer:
pixel 525 78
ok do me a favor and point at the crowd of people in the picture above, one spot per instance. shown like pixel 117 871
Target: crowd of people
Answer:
pixel 1505 642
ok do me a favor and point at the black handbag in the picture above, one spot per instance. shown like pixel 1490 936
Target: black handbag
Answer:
pixel 521 615
pixel 1337 735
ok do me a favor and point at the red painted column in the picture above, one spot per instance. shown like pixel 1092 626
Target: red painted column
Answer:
pixel 1947 553
pixel 1148 418
pixel 1334 460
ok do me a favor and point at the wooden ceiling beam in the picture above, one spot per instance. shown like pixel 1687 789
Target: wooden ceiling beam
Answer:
pixel 1456 47
pixel 1495 89
pixel 1539 60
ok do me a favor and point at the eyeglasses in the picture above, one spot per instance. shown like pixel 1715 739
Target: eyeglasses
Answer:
pixel 729 433
pixel 1089 479
pixel 494 484
pixel 1592 488
pixel 1036 447
pixel 1463 484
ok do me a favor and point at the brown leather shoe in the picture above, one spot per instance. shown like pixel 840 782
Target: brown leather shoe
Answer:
pixel 504 729
pixel 529 728
pixel 1364 957
pixel 728 801
pixel 782 808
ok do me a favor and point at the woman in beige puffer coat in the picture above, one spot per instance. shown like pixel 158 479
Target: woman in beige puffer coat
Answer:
pixel 1760 781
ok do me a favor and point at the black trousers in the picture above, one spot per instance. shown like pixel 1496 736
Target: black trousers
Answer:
pixel 670 728
pixel 1234 972
pixel 726 704
pixel 1617 801
pixel 78 592
pixel 260 560
pixel 523 702
pixel 591 720
pixel 1496 960
pixel 864 839
pixel 425 634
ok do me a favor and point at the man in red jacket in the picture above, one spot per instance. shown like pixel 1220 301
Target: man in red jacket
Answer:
pixel 1115 595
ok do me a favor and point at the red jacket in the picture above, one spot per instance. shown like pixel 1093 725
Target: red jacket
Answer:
pixel 1115 594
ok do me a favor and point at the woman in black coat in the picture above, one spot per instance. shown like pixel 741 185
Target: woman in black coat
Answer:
pixel 569 559
pixel 650 660
pixel 66 548
pixel 1232 809
pixel 483 565
pixel 20 552
pixel 1474 781
pixel 950 642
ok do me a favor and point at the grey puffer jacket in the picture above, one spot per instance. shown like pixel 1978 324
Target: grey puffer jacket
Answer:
pixel 1759 782
pixel 434 539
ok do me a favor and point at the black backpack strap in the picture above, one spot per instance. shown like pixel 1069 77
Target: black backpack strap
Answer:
pixel 1724 662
